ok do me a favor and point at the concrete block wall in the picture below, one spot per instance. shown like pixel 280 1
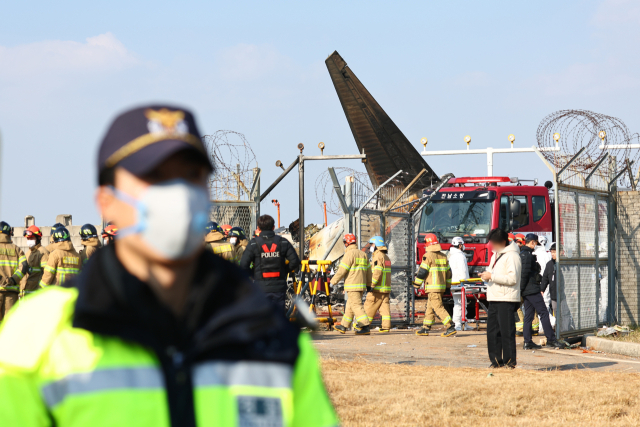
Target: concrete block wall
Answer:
pixel 628 257
pixel 67 220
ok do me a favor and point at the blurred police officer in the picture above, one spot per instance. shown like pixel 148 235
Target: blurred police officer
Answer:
pixel 13 267
pixel 266 256
pixel 156 331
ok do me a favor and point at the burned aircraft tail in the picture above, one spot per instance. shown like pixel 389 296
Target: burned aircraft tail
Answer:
pixel 386 147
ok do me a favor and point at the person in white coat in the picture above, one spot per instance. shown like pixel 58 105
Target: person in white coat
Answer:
pixel 459 271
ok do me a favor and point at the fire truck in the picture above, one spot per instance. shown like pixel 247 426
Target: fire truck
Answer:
pixel 471 207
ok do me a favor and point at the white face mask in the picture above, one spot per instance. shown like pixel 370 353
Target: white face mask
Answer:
pixel 171 217
pixel 233 240
pixel 105 241
pixel 372 249
pixel 31 243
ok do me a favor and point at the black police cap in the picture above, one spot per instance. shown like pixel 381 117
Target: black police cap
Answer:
pixel 142 138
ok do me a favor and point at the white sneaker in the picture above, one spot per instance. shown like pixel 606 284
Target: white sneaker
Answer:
pixel 458 328
pixel 469 328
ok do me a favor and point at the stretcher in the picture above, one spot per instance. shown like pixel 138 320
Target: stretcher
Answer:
pixel 476 288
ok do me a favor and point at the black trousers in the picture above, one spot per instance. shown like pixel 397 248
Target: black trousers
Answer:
pixel 501 333
pixel 533 303
pixel 277 299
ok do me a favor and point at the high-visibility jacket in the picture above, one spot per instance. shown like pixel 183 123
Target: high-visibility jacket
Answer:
pixel 214 242
pixel 63 264
pixel 354 269
pixel 381 271
pixel 104 362
pixel 91 245
pixel 37 257
pixel 435 269
pixel 11 264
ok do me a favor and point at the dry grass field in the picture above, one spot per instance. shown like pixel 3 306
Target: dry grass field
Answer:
pixel 382 394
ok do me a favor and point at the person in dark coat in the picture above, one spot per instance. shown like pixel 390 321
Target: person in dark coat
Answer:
pixel 269 258
pixel 531 291
pixel 549 279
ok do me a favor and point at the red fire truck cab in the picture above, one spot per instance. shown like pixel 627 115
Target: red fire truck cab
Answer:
pixel 471 207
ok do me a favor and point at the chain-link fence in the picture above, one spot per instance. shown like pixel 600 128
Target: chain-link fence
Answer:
pixel 397 230
pixel 236 214
pixel 583 260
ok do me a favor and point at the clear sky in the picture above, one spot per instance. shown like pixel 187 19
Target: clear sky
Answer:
pixel 440 69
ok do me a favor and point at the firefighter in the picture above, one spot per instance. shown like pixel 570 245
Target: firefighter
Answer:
pixel 520 239
pixel 13 267
pixel 354 269
pixel 37 256
pixel 109 234
pixel 63 263
pixel 435 275
pixel 52 244
pixel 378 297
pixel 156 331
pixel 239 241
pixel 89 238
pixel 216 243
pixel 266 259
pixel 225 228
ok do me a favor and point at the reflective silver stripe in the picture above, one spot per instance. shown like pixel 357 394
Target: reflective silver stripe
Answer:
pixel 102 380
pixel 260 374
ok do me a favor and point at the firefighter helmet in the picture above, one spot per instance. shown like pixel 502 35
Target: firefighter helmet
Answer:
pixel 225 229
pixel 61 234
pixel 212 226
pixel 520 238
pixel 542 240
pixel 87 231
pixel 349 239
pixel 430 239
pixel 237 232
pixel 457 241
pixel 378 241
pixel 32 231
pixel 511 237
pixel 5 228
pixel 110 230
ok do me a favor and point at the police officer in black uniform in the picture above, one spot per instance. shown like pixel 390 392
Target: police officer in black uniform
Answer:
pixel 266 258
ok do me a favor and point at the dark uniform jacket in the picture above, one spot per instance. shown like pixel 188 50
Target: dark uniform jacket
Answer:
pixel 251 262
pixel 530 273
pixel 229 343
pixel 549 279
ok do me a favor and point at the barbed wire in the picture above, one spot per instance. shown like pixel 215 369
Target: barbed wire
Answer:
pixel 581 128
pixel 234 162
pixel 325 192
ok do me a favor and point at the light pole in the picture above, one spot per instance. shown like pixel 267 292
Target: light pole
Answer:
pixel 489 151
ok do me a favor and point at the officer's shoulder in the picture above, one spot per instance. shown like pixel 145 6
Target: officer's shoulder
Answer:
pixel 43 314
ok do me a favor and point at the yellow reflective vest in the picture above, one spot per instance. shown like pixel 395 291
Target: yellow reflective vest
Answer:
pixel 354 269
pixel 11 260
pixel 434 270
pixel 214 242
pixel 69 377
pixel 381 271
